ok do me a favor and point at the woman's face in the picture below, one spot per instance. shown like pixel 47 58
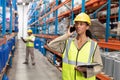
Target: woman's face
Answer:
pixel 81 27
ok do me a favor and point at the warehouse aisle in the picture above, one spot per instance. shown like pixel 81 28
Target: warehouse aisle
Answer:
pixel 43 70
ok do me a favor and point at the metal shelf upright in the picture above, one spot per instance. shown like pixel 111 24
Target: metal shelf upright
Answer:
pixel 11 13
pixel 4 17
pixel 119 12
pixel 83 6
pixel 108 21
pixel 56 19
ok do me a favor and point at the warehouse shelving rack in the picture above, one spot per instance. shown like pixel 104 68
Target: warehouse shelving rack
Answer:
pixel 10 34
pixel 90 6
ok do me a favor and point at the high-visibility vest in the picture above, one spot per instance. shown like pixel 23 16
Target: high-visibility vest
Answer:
pixel 83 56
pixel 30 44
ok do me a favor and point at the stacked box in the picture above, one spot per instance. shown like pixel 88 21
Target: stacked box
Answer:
pixel 97 29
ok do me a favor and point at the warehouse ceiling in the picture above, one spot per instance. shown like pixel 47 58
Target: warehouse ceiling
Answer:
pixel 20 2
pixel 24 1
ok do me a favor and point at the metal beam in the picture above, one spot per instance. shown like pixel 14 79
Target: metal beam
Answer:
pixel 10 31
pixel 45 21
pixel 94 13
pixel 107 34
pixel 48 25
pixel 83 5
pixel 119 12
pixel 56 19
pixel 0 2
pixel 108 21
pixel 53 51
pixel 72 12
pixel 14 4
pixel 110 45
pixel 4 17
pixel 57 7
pixel 103 77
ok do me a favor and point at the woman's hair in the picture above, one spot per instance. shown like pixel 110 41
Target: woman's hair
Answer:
pixel 89 34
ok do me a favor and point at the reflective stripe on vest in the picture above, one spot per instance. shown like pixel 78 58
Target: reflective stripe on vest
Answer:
pixel 66 60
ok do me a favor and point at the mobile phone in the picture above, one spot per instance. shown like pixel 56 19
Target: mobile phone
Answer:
pixel 72 29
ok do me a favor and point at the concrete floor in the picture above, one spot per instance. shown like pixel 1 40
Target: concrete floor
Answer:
pixel 43 70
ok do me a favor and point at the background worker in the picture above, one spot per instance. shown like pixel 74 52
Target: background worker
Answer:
pixel 77 51
pixel 29 47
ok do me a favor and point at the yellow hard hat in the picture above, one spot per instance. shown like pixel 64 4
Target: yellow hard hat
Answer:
pixel 29 31
pixel 83 17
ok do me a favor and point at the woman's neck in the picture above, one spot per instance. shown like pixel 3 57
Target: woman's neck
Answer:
pixel 81 38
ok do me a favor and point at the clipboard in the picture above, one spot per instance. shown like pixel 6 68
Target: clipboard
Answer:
pixel 89 65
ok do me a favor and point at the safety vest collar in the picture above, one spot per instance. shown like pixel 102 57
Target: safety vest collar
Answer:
pixel 66 60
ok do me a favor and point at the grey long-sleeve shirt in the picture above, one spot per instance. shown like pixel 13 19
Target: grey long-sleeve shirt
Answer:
pixel 58 44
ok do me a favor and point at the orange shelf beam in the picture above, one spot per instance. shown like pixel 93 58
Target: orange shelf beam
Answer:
pixel 110 45
pixel 52 10
pixel 95 6
pixel 111 40
pixel 53 51
pixel 103 77
pixel 46 36
pixel 89 5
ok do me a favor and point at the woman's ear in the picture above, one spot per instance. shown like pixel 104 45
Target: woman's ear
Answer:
pixel 87 27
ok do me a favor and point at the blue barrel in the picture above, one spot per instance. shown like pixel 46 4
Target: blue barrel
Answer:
pixel 6 51
pixel 31 21
pixel 40 46
pixel 16 29
pixel 5 77
pixel 13 41
pixel 37 43
pixel 9 43
pixel 33 5
pixel 1 58
pixel 43 51
pixel 35 13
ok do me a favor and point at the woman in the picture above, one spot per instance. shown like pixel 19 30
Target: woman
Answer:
pixel 77 51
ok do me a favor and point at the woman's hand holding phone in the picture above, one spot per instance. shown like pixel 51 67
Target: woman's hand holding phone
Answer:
pixel 71 29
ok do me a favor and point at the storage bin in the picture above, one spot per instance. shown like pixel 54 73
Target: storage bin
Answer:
pixel 42 49
pixel 37 43
pixel 6 51
pixel 1 58
pixel 116 69
pixel 5 77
